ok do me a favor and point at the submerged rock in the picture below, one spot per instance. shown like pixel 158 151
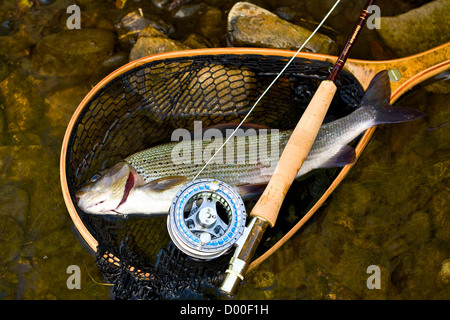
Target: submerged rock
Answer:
pixel 210 25
pixel 441 218
pixel 160 3
pixel 202 19
pixel 115 61
pixel 24 31
pixel 22 164
pixel 2 127
pixel 417 30
pixel 443 277
pixel 14 204
pixel 72 53
pixel 152 41
pixel 250 25
pixel 196 41
pixel 130 25
pixel 3 69
pixel 22 110
pixel 62 104
pixel 35 170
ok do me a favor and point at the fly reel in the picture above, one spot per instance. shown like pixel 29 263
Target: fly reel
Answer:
pixel 206 219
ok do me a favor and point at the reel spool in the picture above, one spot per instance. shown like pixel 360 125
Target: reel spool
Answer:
pixel 206 219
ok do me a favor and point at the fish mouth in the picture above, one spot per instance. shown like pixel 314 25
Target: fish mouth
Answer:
pixel 95 204
pixel 114 211
pixel 79 198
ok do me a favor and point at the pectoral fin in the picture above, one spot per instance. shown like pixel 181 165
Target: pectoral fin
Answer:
pixel 164 183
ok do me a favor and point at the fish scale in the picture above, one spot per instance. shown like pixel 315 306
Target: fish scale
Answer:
pixel 156 162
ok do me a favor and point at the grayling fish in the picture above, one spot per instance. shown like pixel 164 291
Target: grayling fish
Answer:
pixel 147 181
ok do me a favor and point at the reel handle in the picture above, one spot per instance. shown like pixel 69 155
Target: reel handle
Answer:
pixel 243 255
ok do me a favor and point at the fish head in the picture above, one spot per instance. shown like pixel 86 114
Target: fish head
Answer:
pixel 154 197
pixel 106 190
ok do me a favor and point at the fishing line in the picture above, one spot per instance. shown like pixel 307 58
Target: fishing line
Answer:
pixel 268 88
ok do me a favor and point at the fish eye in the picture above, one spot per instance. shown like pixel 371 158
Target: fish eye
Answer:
pixel 95 177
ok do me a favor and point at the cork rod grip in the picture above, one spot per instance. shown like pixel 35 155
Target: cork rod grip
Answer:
pixel 294 154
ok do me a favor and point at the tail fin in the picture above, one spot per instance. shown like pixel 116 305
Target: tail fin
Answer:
pixel 377 97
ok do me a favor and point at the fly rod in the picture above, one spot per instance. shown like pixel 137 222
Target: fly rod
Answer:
pixel 265 211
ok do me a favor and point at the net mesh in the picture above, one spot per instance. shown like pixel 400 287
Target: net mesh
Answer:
pixel 142 107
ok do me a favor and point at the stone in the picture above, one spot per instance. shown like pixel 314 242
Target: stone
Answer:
pixel 189 11
pixel 159 24
pixel 22 109
pixel 3 69
pixel 15 47
pixel 72 53
pixel 439 211
pixel 264 281
pixel 11 235
pixel 417 30
pixel 160 3
pixel 35 169
pixel 62 104
pixel 443 277
pixel 116 61
pixel 130 26
pixel 25 138
pixel 14 203
pixel 441 87
pixel 3 132
pixel 210 25
pixel 196 41
pixel 356 204
pixel 29 28
pixel 19 164
pixel 252 26
pixel 417 230
pixel 151 41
